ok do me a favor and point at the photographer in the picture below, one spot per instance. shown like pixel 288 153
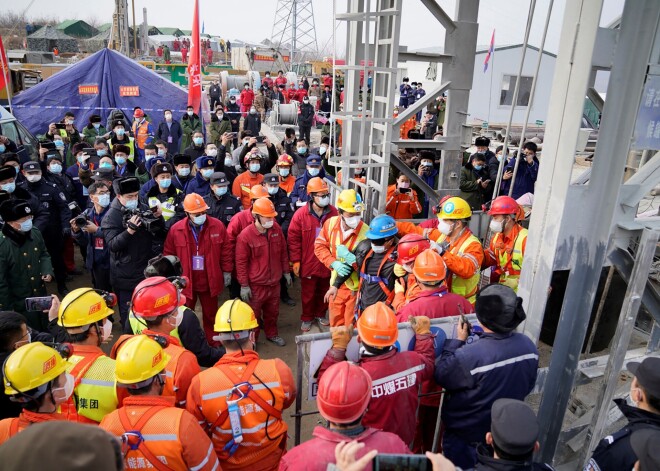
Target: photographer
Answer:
pixel 427 173
pixel 87 232
pixel 129 239
pixel 402 202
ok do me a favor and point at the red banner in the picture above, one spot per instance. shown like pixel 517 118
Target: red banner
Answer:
pixel 129 90
pixel 194 64
pixel 5 76
pixel 88 89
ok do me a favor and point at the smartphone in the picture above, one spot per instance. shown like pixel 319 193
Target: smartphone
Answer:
pixel 90 151
pixel 41 303
pixel 465 321
pixel 261 138
pixel 50 145
pixel 60 126
pixel 390 462
pixel 233 134
pixel 404 190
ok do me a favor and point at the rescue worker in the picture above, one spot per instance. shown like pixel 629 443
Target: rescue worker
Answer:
pixel 261 261
pixel 501 364
pixel 165 196
pixel 154 433
pixel 200 244
pixel 259 391
pixel 283 169
pixel 55 227
pixel 222 204
pixel 155 305
pixel 200 184
pixel 314 168
pixel 182 164
pixel 374 259
pixel 615 451
pixel 397 376
pixel 344 393
pixel 314 276
pixel 247 98
pixel 143 132
pixel 405 286
pixel 507 246
pixel 402 202
pixel 35 375
pixel 433 299
pixel 339 236
pixel 85 315
pixel 246 180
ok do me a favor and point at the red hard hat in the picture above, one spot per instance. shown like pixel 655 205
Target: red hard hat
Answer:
pixel 410 246
pixel 344 393
pixel 503 205
pixel 156 296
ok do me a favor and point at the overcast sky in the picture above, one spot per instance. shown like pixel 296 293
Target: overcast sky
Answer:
pixel 252 20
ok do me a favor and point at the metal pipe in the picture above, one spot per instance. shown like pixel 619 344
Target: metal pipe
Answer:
pixel 599 311
pixel 516 90
pixel 531 96
pixel 438 422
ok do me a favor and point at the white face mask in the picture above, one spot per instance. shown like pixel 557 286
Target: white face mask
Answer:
pixel 212 152
pixel 496 226
pixel 62 394
pixel 404 185
pixel 353 221
pixel 445 227
pixel 33 178
pixel 408 267
pixel 175 321
pixel 107 330
pixel 323 201
pixel 378 248
pixel 267 224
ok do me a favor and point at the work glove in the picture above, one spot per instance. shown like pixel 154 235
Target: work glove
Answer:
pixel 441 248
pixel 227 278
pixel 287 277
pixel 341 335
pixel 398 287
pixel 296 268
pixel 399 271
pixel 341 268
pixel 420 324
pixel 346 255
pixel 246 293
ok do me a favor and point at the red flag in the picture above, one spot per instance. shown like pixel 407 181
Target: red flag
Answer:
pixel 491 50
pixel 194 64
pixel 4 67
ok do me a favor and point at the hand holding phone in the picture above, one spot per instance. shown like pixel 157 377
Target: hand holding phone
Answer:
pixel 393 462
pixel 40 303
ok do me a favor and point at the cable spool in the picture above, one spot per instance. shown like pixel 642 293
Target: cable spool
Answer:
pixel 238 81
pixel 285 114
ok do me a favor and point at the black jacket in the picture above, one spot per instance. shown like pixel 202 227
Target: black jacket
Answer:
pixel 233 111
pixel 266 165
pixel 53 203
pixel 97 257
pixel 129 254
pixel 39 216
pixel 283 208
pixel 223 208
pixel 306 116
pixel 174 132
pixel 194 151
pixel 486 462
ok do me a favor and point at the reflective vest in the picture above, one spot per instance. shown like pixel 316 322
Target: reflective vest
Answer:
pixel 130 144
pixel 141 133
pixel 264 403
pixel 167 207
pixel 466 287
pixel 94 395
pixel 12 426
pixel 137 327
pixel 334 229
pixel 510 261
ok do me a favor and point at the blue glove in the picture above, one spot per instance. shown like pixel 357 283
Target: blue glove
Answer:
pixel 341 268
pixel 346 255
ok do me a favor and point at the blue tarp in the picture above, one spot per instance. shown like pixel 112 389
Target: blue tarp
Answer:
pixel 108 70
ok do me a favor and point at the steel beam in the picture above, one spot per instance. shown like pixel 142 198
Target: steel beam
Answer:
pixel 424 57
pixel 440 15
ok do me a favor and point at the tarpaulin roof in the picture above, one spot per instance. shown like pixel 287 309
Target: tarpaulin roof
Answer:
pixel 97 85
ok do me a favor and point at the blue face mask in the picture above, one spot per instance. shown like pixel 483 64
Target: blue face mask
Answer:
pixel 478 167
pixel 161 152
pixel 58 143
pixel 207 172
pixel 56 169
pixel 198 141
pixel 101 152
pixel 148 157
pixel 26 226
pixel 104 200
pixel 8 187
pixel 284 172
pixel 199 220
pixel 120 132
pixel 184 172
pixel 96 125
pixel 2 148
pixel 254 168
pixel 228 162
pixel 220 191
pixel 302 150
pixel 120 160
pixel 314 172
pixel 165 183
pixel 105 165
pixel 131 204
pixel 80 159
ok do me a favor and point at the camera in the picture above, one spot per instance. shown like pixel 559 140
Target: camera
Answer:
pixel 80 221
pixel 150 222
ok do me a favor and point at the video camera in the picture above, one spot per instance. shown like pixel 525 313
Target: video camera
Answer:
pixel 150 222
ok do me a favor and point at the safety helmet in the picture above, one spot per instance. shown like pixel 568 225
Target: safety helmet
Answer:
pixel 409 247
pixel 316 185
pixel 382 227
pixel 264 207
pixel 194 203
pixel 235 316
pixel 344 393
pixel 455 208
pixel 503 205
pixel 429 267
pixel 139 359
pixel 85 306
pixel 258 191
pixel 252 155
pixel 377 325
pixel 349 200
pixel 31 366
pixel 164 265
pixel 284 159
pixel 156 296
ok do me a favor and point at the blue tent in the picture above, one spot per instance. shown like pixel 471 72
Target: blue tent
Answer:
pixel 97 85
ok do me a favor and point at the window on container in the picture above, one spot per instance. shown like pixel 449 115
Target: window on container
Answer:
pixel 509 85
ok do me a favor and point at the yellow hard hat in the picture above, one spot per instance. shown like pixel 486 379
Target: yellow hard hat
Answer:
pixel 31 366
pixel 349 200
pixel 140 358
pixel 83 306
pixel 234 316
pixel 455 208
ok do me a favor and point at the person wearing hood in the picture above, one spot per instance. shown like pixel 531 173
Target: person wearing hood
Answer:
pixel 200 184
pixel 501 364
pixel 314 168
pixel 94 130
pixel 169 130
pixel 475 185
pixel 220 124
pixel 190 124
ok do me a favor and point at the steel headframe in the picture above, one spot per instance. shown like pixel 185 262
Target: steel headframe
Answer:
pixel 294 26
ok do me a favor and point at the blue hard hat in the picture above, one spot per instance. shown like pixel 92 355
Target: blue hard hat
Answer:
pixel 382 227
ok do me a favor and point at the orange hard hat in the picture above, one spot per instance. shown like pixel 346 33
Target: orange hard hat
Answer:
pixel 316 185
pixel 193 203
pixel 258 191
pixel 344 393
pixel 264 207
pixel 156 296
pixel 377 325
pixel 429 266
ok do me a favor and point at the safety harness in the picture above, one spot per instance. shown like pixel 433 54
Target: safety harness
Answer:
pixel 382 281
pixel 134 440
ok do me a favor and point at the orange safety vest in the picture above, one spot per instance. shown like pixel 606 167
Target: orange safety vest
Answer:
pixel 260 410
pixel 12 426
pixel 141 133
